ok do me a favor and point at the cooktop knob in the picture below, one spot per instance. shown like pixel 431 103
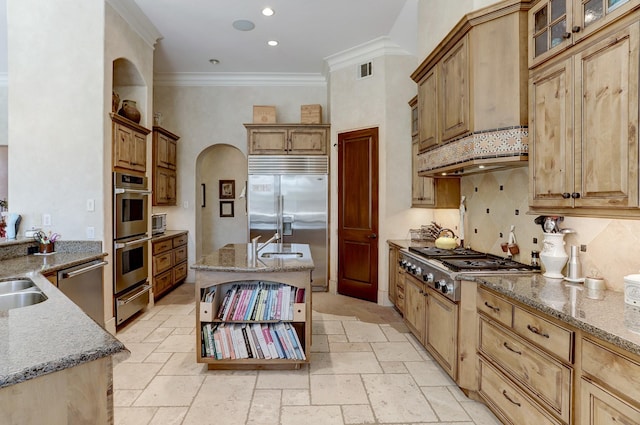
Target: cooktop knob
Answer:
pixel 439 283
pixel 418 271
pixel 428 277
pixel 446 288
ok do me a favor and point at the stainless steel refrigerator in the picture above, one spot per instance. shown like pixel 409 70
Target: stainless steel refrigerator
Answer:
pixel 290 194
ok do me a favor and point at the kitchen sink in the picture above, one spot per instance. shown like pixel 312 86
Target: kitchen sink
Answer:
pixel 281 254
pixel 9 286
pixel 21 299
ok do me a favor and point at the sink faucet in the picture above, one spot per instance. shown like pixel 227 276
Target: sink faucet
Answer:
pixel 255 249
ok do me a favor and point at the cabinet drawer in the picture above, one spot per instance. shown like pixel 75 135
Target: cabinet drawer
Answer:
pixel 621 373
pixel 494 307
pixel 162 246
pixel 553 338
pixel 162 262
pixel 599 406
pixel 179 272
pixel 161 283
pixel 179 255
pixel 180 240
pixel 546 377
pixel 509 401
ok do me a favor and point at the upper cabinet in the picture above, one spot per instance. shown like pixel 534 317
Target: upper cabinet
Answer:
pixel 287 139
pixel 165 145
pixel 472 95
pixel 558 24
pixel 129 145
pixel 583 138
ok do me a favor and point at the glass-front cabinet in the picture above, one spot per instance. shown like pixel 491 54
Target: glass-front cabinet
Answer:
pixel 557 24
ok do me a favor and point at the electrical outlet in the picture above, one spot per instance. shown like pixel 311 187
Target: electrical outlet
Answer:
pixel 91 232
pixel 185 204
pixel 46 219
pixel 583 248
pixel 91 205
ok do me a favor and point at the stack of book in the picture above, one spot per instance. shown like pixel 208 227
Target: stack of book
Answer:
pixel 259 302
pixel 224 341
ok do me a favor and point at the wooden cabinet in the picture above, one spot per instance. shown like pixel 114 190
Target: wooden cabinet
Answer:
pixel 428 110
pixel 129 145
pixel 287 139
pixel 414 306
pixel 556 25
pixel 528 359
pixel 428 192
pixel 215 321
pixel 453 91
pixel 393 273
pixel 441 336
pixel 169 263
pixel 608 395
pixel 164 167
pixel 583 150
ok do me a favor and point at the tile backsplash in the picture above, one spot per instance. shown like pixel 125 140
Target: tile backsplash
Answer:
pixel 496 200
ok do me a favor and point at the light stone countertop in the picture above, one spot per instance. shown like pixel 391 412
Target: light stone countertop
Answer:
pixel 601 313
pixel 238 258
pixel 55 334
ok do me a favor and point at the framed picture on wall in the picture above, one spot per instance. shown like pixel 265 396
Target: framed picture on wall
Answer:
pixel 227 189
pixel 226 208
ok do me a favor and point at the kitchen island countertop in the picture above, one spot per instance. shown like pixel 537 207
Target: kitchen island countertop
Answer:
pixel 53 335
pixel 238 258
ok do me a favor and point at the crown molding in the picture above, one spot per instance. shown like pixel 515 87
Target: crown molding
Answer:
pixel 381 46
pixel 137 20
pixel 199 79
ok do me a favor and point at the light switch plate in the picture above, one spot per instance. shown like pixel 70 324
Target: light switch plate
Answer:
pixel 46 219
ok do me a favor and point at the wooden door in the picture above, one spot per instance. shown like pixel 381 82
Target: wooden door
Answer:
pixel 454 102
pixel 428 110
pixel 606 113
pixel 551 137
pixel 358 214
pixel 415 306
pixel 442 331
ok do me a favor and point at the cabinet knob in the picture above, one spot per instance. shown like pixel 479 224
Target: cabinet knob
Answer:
pixel 566 35
pixel 576 29
pixel 575 195
pixel 566 195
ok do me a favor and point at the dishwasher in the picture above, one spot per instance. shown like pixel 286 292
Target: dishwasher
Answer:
pixel 83 284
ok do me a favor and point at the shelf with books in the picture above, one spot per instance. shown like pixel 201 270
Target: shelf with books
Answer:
pixel 245 323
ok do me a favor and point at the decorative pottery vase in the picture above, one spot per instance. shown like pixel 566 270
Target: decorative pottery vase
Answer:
pixel 553 255
pixel 130 111
pixel 115 101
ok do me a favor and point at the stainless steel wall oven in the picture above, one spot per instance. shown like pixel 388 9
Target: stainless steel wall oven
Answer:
pixel 130 245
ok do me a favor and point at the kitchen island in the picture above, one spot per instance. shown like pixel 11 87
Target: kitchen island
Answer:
pixel 55 361
pixel 280 272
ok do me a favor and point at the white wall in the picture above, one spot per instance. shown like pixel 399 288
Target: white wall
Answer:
pixel 211 115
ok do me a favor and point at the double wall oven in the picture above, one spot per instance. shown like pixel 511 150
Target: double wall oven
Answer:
pixel 131 245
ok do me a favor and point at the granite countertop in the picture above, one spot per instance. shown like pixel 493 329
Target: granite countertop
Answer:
pixel 238 258
pixel 53 335
pixel 601 313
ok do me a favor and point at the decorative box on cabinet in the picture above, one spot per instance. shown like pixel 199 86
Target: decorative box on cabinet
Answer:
pixel 556 25
pixel 583 148
pixel 164 166
pixel 129 145
pixel 287 139
pixel 169 265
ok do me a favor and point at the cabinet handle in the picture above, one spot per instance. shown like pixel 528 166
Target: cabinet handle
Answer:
pixel 575 195
pixel 566 35
pixel 504 393
pixel 566 195
pixel 496 309
pixel 511 349
pixel 537 331
pixel 575 29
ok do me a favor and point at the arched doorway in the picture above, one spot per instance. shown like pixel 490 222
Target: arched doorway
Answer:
pixel 219 224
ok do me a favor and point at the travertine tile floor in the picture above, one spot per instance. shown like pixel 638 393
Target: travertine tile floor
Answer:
pixel 362 371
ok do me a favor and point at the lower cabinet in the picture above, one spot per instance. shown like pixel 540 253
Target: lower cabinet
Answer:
pixel 414 306
pixel 441 337
pixel 169 261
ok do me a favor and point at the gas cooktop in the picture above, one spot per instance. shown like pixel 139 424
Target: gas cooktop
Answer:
pixel 468 260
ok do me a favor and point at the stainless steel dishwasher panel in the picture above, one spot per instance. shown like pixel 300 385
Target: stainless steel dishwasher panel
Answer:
pixel 83 284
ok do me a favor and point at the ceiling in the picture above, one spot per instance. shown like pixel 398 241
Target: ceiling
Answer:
pixel 195 31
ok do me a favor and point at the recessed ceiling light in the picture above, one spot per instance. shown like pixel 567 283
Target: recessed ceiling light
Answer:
pixel 267 11
pixel 272 43
pixel 243 25
pixel 214 61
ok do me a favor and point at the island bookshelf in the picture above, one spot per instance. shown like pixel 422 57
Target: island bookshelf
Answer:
pixel 298 319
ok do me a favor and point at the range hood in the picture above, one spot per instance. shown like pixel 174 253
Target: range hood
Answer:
pixel 477 152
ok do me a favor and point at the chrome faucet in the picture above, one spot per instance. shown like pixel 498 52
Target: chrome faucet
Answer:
pixel 255 249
